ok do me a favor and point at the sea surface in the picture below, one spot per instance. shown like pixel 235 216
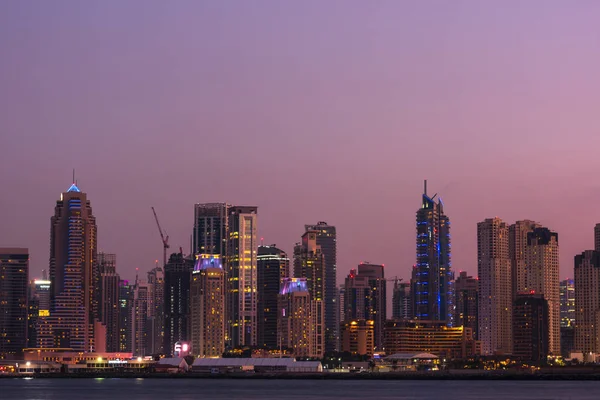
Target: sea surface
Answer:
pixel 165 389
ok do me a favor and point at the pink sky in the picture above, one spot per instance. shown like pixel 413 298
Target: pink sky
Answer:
pixel 313 111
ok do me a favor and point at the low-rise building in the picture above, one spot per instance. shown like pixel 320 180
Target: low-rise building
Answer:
pixel 358 337
pixel 258 365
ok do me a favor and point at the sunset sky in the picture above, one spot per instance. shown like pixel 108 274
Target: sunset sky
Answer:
pixel 311 110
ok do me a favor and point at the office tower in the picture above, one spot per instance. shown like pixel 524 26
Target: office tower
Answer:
pixel 365 297
pixel 125 341
pixel 530 327
pixel 178 274
pixel 341 302
pixel 208 307
pixel 466 289
pixel 296 331
pixel 156 319
pixel 139 319
pixel 567 303
pixel 495 287
pixel 597 237
pixel 534 256
pixel 587 300
pixel 358 337
pixel 109 299
pixel 14 274
pixel 272 267
pixel 38 306
pixel 431 289
pixel 73 273
pixel 309 263
pixel 517 246
pixel 210 229
pixel 401 300
pixel 242 249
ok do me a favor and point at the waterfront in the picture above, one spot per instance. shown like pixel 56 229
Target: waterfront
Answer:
pixel 187 389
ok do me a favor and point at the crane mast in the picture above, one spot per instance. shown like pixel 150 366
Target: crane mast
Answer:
pixel 164 238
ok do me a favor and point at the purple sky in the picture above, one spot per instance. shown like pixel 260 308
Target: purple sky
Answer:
pixel 311 110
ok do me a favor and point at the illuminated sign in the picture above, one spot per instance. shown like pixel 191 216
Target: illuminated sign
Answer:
pixel 44 313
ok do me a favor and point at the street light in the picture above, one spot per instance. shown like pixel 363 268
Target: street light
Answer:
pixel 28 363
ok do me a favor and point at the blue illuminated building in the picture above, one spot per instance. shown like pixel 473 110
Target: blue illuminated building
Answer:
pixel 431 287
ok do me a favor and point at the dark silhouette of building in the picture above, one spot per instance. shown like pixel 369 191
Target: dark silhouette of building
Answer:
pixel 14 275
pixel 431 289
pixel 587 301
pixel 272 267
pixel 466 292
pixel 401 301
pixel 109 299
pixel 125 341
pixel 156 312
pixel 178 274
pixel 530 327
pixel 327 238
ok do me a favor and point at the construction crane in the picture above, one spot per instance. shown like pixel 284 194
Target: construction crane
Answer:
pixel 165 239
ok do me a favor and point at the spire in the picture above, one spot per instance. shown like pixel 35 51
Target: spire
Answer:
pixel 425 187
pixel 73 187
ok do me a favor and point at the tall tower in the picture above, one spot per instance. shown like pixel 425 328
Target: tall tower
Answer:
pixel 242 249
pixel 517 249
pixel 125 317
pixel 156 311
pixel 178 274
pixel 432 275
pixel 296 319
pixel 139 319
pixel 73 272
pixel 597 237
pixel 327 238
pixel 587 302
pixel 14 274
pixel 365 298
pixel 273 266
pixel 210 229
pixel 495 287
pixel 542 277
pixel 309 263
pixel 567 303
pixel 208 307
pixel 109 299
pixel 530 327
pixel 401 301
pixel 466 290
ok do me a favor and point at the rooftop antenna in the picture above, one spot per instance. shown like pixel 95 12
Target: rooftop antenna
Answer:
pixel 425 188
pixel 74 175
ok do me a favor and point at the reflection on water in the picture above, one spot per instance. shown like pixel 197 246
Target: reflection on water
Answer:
pixel 183 389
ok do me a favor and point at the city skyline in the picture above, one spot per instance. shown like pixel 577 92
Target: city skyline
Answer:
pixel 377 84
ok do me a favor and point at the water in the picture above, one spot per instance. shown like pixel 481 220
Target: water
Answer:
pixel 184 389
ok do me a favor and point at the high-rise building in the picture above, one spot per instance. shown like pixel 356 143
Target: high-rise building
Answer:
pixel 327 238
pixel 587 301
pixel 178 274
pixel 156 309
pixel 432 275
pixel 125 341
pixel 242 247
pixel 109 299
pixel 495 287
pixel 597 237
pixel 365 297
pixel 273 266
pixel 208 307
pixel 139 319
pixel 567 303
pixel 74 275
pixel 210 229
pixel 466 292
pixel 309 263
pixel 14 275
pixel 296 331
pixel 401 301
pixel 530 327
pixel 341 301
pixel 38 306
pixel 534 256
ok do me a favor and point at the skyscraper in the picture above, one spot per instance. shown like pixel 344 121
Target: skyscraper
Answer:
pixel 296 319
pixel 109 299
pixel 242 247
pixel 587 301
pixel 73 273
pixel 597 237
pixel 125 317
pixel 273 266
pixel 327 238
pixel 495 287
pixel 401 301
pixel 530 327
pixel 365 298
pixel 542 268
pixel 156 310
pixel 14 274
pixel 466 289
pixel 38 306
pixel 567 303
pixel 432 274
pixel 178 274
pixel 139 319
pixel 309 263
pixel 518 256
pixel 210 229
pixel 208 307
